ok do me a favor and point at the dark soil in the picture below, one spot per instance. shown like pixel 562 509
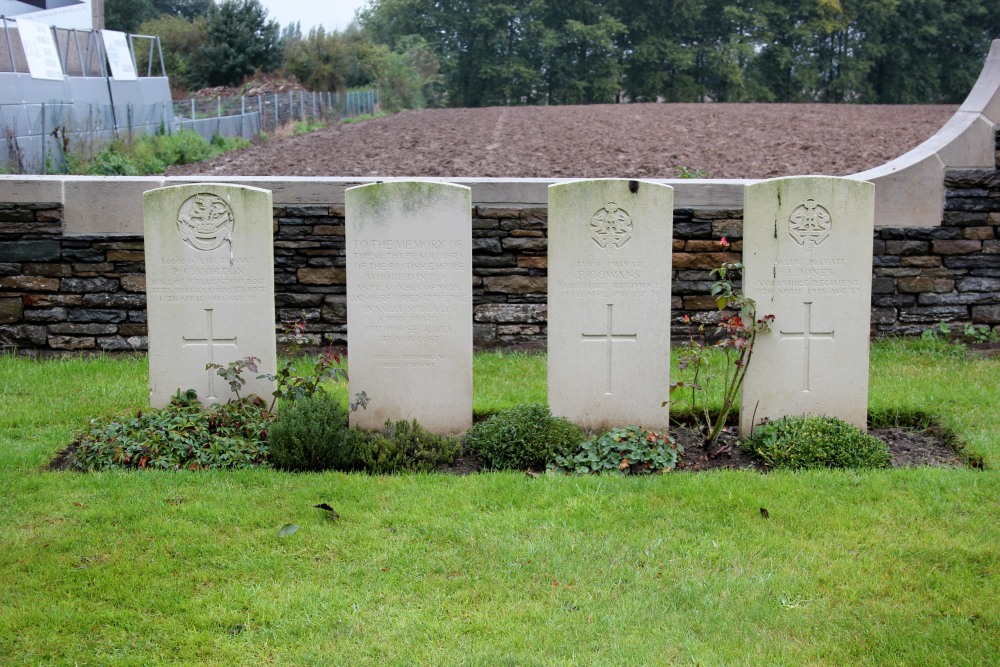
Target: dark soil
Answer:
pixel 605 140
pixel 909 447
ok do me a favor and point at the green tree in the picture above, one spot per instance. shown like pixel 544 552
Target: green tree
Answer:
pixel 188 9
pixel 580 60
pixel 241 40
pixel 408 77
pixel 181 41
pixel 127 15
pixel 319 61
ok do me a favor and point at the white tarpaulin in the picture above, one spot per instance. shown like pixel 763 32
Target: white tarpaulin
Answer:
pixel 119 55
pixel 40 50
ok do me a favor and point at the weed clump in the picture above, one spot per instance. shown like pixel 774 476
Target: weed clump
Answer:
pixel 527 436
pixel 183 435
pixel 631 451
pixel 313 434
pixel 404 445
pixel 800 442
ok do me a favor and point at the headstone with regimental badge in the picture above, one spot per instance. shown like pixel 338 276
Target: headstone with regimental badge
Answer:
pixel 609 252
pixel 807 251
pixel 409 303
pixel 209 289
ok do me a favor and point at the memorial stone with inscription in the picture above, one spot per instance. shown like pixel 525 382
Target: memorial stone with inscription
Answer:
pixel 209 288
pixel 609 302
pixel 807 248
pixel 409 303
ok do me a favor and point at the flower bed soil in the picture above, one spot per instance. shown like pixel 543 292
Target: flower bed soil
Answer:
pixel 909 447
pixel 606 140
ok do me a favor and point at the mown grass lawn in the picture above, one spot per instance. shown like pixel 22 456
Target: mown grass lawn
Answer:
pixel 887 567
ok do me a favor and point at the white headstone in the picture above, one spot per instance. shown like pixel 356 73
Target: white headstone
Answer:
pixel 409 303
pixel 209 288
pixel 807 249
pixel 609 302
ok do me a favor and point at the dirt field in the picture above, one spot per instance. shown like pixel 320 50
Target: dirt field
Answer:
pixel 623 141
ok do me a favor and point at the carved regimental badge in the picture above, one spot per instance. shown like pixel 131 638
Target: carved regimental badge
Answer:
pixel 809 224
pixel 205 221
pixel 611 227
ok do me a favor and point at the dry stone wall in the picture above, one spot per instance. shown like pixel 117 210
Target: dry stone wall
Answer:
pixel 88 292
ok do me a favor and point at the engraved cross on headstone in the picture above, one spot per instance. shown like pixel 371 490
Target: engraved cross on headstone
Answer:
pixel 209 342
pixel 610 338
pixel 807 335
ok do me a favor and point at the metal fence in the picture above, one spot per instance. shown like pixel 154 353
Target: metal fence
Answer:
pixel 81 52
pixel 248 116
pixel 38 138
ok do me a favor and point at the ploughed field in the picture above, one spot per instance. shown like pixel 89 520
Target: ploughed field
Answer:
pixel 598 141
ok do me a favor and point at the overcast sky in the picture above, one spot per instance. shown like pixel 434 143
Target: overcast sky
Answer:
pixel 331 14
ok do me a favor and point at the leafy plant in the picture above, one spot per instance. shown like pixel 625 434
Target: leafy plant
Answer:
pixel 182 435
pixel 313 434
pixel 970 333
pixel 736 335
pixel 232 372
pixel 327 366
pixel 689 172
pixel 404 445
pixel 816 442
pixel 305 127
pixel 631 450
pixel 111 163
pixel 981 333
pixel 941 330
pixel 527 436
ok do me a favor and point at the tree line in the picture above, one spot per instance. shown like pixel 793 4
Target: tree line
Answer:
pixel 500 52
pixel 585 51
pixel 221 43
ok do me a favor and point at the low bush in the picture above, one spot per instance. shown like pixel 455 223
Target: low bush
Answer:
pixel 111 163
pixel 151 154
pixel 404 445
pixel 816 442
pixel 632 450
pixel 182 435
pixel 527 436
pixel 312 434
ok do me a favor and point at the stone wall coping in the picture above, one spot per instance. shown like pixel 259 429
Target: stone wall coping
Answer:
pixel 909 190
pixel 112 206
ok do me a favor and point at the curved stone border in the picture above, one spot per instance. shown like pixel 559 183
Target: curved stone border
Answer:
pixel 909 191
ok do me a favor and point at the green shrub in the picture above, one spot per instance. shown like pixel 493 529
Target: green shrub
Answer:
pixel 816 442
pixel 147 157
pixel 182 435
pixel 527 436
pixel 632 450
pixel 405 445
pixel 313 434
pixel 111 163
pixel 221 144
pixel 183 147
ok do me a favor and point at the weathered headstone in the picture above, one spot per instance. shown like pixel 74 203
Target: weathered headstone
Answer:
pixel 807 248
pixel 209 288
pixel 609 302
pixel 409 303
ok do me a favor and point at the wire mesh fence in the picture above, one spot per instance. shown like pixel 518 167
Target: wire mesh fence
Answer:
pixel 40 138
pixel 275 110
